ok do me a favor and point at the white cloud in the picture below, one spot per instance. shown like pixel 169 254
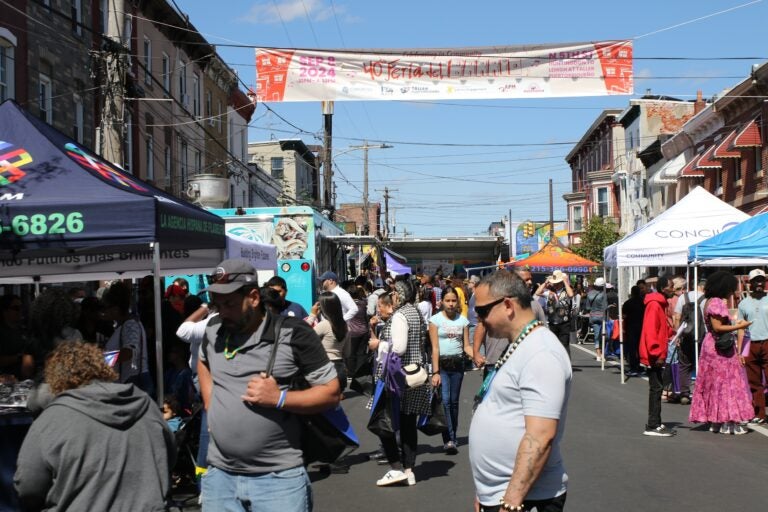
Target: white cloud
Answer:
pixel 286 11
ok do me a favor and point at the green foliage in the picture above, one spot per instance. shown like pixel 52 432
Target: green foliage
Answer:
pixel 598 234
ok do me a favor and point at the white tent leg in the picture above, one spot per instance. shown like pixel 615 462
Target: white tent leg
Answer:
pixel 158 322
pixel 621 332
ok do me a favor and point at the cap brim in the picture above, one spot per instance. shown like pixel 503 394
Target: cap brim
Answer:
pixel 225 288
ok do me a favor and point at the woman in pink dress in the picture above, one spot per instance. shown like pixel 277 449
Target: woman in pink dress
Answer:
pixel 721 396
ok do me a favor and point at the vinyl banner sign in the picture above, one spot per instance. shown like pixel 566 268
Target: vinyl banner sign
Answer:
pixel 529 71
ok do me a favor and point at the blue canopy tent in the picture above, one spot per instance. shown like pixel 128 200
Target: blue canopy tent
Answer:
pixel 744 244
pixel 68 215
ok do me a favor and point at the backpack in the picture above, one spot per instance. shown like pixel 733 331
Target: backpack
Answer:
pixel 688 316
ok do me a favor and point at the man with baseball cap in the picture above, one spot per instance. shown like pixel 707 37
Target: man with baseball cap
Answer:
pixel 557 293
pixel 329 282
pixel 755 309
pixel 254 456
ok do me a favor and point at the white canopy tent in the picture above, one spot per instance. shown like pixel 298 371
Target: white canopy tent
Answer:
pixel 664 241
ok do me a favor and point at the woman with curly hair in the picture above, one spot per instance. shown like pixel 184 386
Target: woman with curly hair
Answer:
pixel 94 426
pixel 721 396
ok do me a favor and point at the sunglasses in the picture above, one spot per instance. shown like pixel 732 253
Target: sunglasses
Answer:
pixel 485 310
pixel 225 277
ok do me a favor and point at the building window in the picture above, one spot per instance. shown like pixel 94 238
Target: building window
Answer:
pixel 45 99
pixel 758 160
pixel 244 144
pixel 195 95
pixel 147 61
pixel 218 118
pixel 183 162
pixel 128 143
pixel 276 165
pixel 150 157
pixel 737 172
pixel 77 17
pixel 166 72
pixel 167 164
pixel 77 127
pixel 198 161
pixel 104 15
pixel 577 218
pixel 183 83
pixel 209 107
pixel 602 201
pixel 7 66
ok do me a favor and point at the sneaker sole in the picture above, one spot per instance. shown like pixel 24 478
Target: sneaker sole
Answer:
pixel 658 434
pixel 452 451
pixel 379 483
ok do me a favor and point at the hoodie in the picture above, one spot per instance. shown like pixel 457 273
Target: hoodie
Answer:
pixel 101 447
pixel 656 330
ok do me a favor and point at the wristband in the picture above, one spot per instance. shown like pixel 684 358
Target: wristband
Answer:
pixel 281 400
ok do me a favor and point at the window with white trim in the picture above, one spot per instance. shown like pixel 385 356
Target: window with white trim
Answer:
pixel 166 72
pixel 195 95
pixel 45 98
pixel 147 61
pixel 150 158
pixel 198 161
pixel 602 202
pixel 77 127
pixel 577 218
pixel 277 167
pixel 7 67
pixel 183 83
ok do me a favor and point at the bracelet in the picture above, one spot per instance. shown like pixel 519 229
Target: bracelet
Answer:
pixel 281 400
pixel 507 506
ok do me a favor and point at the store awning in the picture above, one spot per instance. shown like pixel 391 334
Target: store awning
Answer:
pixel 749 136
pixel 707 160
pixel 690 171
pixel 667 175
pixel 725 150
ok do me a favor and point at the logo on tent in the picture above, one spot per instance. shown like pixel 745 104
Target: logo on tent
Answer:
pixel 101 168
pixel 10 162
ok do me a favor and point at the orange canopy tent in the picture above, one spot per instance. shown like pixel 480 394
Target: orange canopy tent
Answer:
pixel 555 256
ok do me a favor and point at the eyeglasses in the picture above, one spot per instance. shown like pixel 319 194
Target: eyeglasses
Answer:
pixel 225 277
pixel 485 310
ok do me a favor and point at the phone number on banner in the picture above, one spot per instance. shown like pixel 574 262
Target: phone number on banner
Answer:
pixel 44 224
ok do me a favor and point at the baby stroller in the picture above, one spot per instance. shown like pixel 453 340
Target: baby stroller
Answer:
pixel 183 479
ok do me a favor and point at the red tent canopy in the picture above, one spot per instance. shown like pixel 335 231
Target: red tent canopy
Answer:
pixel 554 256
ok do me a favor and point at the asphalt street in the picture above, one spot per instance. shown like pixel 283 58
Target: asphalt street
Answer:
pixel 611 465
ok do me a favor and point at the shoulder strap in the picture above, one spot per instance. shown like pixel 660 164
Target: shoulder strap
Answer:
pixel 687 299
pixel 278 323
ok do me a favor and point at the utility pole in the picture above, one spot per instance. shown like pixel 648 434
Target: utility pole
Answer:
pixel 551 213
pixel 511 238
pixel 112 116
pixel 365 147
pixel 386 209
pixel 329 202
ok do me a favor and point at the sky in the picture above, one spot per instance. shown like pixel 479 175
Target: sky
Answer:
pixel 456 166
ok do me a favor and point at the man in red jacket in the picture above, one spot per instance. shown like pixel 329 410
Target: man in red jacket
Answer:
pixel 656 333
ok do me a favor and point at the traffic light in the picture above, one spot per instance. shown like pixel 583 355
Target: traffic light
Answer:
pixel 529 229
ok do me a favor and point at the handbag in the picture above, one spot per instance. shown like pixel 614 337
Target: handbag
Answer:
pixel 435 422
pixel 415 375
pixel 724 342
pixel 325 436
pixel 385 412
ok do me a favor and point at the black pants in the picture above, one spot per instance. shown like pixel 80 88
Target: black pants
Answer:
pixel 549 505
pixel 563 333
pixel 357 354
pixel 631 349
pixel 655 375
pixel 408 439
pixel 686 356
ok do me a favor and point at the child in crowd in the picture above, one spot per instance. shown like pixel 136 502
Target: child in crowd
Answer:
pixel 171 413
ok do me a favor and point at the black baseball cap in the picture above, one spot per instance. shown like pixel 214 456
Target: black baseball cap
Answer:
pixel 231 275
pixel 328 275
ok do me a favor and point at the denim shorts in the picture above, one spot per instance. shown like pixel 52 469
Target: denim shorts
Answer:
pixel 288 490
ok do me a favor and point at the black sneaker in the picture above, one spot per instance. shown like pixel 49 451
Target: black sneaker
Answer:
pixel 660 431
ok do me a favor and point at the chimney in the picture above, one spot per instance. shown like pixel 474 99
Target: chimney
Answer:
pixel 699 104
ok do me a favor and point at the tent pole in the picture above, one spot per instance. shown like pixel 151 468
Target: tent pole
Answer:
pixel 696 314
pixel 158 321
pixel 621 330
pixel 602 331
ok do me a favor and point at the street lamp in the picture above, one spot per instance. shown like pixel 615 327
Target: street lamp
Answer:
pixel 365 147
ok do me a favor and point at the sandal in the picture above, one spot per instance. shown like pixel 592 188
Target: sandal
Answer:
pixel 757 421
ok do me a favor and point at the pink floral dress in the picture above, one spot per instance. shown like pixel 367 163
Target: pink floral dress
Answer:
pixel 722 392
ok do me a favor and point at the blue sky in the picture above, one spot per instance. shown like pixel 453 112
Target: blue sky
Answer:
pixel 443 178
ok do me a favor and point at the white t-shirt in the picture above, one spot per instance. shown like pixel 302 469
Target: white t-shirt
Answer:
pixel 535 381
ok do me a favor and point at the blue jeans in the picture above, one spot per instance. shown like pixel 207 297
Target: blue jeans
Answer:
pixel 597 328
pixel 287 491
pixel 450 385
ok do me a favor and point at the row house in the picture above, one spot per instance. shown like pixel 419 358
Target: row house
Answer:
pixel 721 148
pixel 177 105
pixel 294 165
pixel 592 161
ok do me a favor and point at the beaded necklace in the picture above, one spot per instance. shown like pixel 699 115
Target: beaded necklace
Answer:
pixel 229 354
pixel 486 386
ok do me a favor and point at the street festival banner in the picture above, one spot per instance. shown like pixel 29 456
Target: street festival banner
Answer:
pixel 525 71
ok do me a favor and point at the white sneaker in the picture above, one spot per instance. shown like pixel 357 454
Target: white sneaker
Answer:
pixel 739 430
pixel 393 476
pixel 411 478
pixel 726 428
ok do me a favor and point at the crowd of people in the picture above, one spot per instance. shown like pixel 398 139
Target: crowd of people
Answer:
pixel 250 364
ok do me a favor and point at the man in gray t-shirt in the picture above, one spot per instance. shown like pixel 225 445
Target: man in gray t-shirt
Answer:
pixel 514 438
pixel 255 451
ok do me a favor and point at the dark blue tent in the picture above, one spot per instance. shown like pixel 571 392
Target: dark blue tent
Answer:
pixel 65 210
